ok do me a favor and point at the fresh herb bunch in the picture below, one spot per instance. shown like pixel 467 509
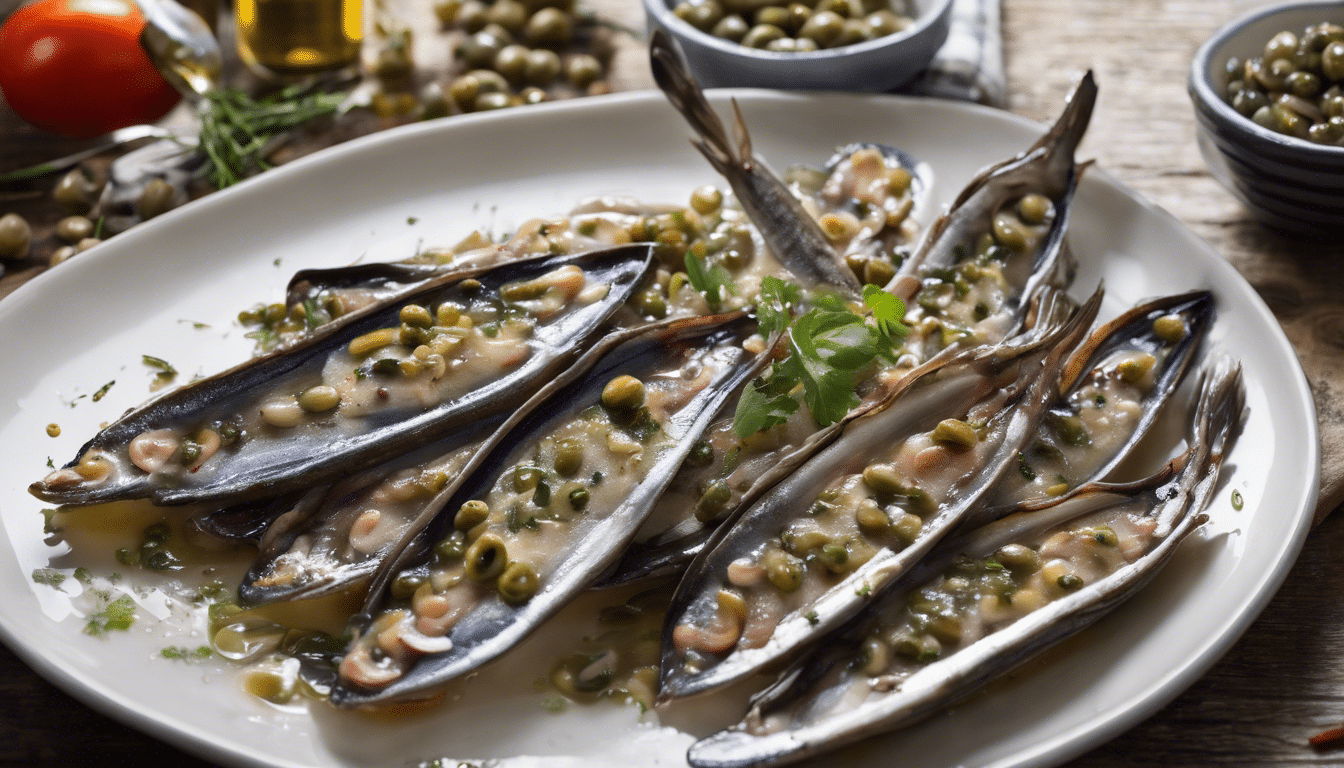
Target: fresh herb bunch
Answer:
pixel 237 130
pixel 828 346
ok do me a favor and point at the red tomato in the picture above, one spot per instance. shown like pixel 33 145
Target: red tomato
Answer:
pixel 76 67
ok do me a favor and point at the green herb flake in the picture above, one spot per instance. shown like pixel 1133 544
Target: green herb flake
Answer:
pixel 116 615
pixel 83 576
pixel 166 371
pixel 888 312
pixel 411 220
pixel 49 521
pixel 713 282
pixel 276 262
pixel 864 591
pixel 103 390
pixel 48 576
pixel 1237 501
pixel 183 653
pixel 50 464
pixel 812 618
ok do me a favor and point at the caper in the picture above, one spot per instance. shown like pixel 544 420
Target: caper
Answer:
pixel 16 237
pixel 1332 61
pixel 623 395
pixel 1069 581
pixel 578 499
pixel 732 27
pixel 582 69
pixel 784 570
pixel 834 557
pixel 1018 558
pixel 1104 536
pixel 511 62
pixel 854 31
pixel 473 16
pixel 701 15
pixel 1034 208
pixel 906 526
pixel 319 399
pixel 1008 234
pixel 490 81
pixel 706 200
pixel 713 502
pixel 393 64
pixel 1303 85
pixel 471 514
pixel 447 10
pixel 509 14
pixel 543 66
pixel 451 547
pixel 518 583
pixel 761 36
pixel 491 101
pixel 878 271
pixel 568 456
pixel 775 16
pixel 823 28
pixel 839 7
pixel 463 92
pixel 72 229
pixel 480 49
pixel 526 478
pixel 652 303
pixel 415 316
pixel 75 192
pixel 954 433
pixel 61 255
pixel 549 27
pixel 1133 370
pixel 701 455
pixel 883 479
pixel 1281 46
pixel 532 95
pixel 486 558
pixel 872 519
pixel 883 23
pixel 1248 101
pixel 158 197
pixel 405 585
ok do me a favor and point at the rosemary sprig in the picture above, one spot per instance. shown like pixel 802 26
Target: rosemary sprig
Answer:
pixel 237 130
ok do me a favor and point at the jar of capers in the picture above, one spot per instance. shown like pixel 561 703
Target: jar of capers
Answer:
pixel 1296 87
pixel 799 26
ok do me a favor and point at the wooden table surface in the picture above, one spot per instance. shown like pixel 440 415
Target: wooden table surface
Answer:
pixel 1284 680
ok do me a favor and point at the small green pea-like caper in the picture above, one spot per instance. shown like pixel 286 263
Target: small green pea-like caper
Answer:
pixel 731 27
pixel 1133 370
pixel 713 501
pixel 509 14
pixel 578 499
pixel 511 62
pixel 491 101
pixel 701 454
pixel 518 583
pixel 473 16
pixel 1018 558
pixel 1170 328
pixel 582 69
pixel 955 433
pixel 1034 208
pixel 568 456
pixel 319 398
pixel 762 35
pixel 549 27
pixel 405 585
pixel 157 198
pixel 415 316
pixel 701 15
pixel 75 192
pixel 623 395
pixel 883 479
pixel 451 547
pixel 652 303
pixel 471 514
pixel 872 518
pixel 486 558
pixel 784 571
pixel 16 237
pixel 543 66
pixel 526 478
pixel 878 271
pixel 1104 536
pixel 1069 581
pixel 834 557
pixel 72 229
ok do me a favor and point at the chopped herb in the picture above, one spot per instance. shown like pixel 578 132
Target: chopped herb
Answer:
pixel 411 220
pixel 98 228
pixel 1099 399
pixel 103 390
pixel 1024 467
pixel 864 590
pixel 166 371
pixel 197 324
pixel 186 654
pixel 713 282
pixel 50 464
pixel 812 618
pixel 597 478
pixel 49 521
pixel 774 308
pixel 276 262
pixel 1237 501
pixel 48 576
pixel 116 615
pixel 83 576
pixel 310 317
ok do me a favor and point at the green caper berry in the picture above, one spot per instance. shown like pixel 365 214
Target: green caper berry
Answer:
pixel 1008 234
pixel 785 572
pixel 509 14
pixel 518 583
pixel 878 271
pixel 447 10
pixel 451 547
pixel 319 399
pixel 511 62
pixel 701 15
pixel 75 192
pixel 834 557
pixel 485 558
pixel 623 395
pixel 490 82
pixel 15 237
pixel 882 23
pixel 471 514
pixel 1332 61
pixel 955 434
pixel 1034 208
pixel 1264 117
pixel 480 49
pixel 713 501
pixel 405 585
pixel 491 101
pixel 731 27
pixel 1069 581
pixel 1303 85
pixel 706 200
pixel 701 455
pixel 1133 370
pixel 72 229
pixel 1281 46
pixel 161 561
pixel 582 69
pixel 568 456
pixel 1248 101
pixel 906 526
pixel 578 499
pixel 823 28
pixel 543 66
pixel 157 198
pixel 463 92
pixel 883 479
pixel 872 519
pixel 415 316
pixel 1170 328
pixel 652 303
pixel 1018 558
pixel 775 16
pixel 473 16
pixel 127 556
pixel 839 7
pixel 549 27
pixel 189 452
pixel 762 35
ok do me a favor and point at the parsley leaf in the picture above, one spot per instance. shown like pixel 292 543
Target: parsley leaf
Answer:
pixel 714 282
pixel 888 311
pixel 775 305
pixel 757 410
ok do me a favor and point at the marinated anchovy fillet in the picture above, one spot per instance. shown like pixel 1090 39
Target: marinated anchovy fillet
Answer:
pixel 817 547
pixel 983 604
pixel 399 373
pixel 546 514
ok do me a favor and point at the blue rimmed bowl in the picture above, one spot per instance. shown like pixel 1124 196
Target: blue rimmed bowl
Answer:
pixel 876 65
pixel 1290 184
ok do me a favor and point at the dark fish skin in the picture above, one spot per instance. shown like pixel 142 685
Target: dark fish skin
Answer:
pixel 791 233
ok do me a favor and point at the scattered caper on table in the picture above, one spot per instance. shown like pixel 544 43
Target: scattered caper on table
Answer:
pixel 15 237
pixel 1296 87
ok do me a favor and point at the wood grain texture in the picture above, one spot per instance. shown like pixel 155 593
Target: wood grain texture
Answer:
pixel 1284 680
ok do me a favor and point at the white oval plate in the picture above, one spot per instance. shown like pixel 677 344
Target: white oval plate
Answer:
pixel 75 328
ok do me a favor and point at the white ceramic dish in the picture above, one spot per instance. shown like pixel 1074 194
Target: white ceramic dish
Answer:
pixel 86 323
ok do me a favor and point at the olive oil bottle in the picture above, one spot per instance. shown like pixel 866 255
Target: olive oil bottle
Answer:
pixel 298 37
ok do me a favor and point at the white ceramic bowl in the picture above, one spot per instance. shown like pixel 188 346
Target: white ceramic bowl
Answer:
pixel 1290 184
pixel 876 65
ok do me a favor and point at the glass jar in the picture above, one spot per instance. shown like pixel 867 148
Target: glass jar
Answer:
pixel 298 37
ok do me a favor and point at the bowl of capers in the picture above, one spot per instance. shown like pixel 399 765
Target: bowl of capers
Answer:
pixel 842 45
pixel 1268 91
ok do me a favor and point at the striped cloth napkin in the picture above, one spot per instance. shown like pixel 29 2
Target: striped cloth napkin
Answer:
pixel 969 66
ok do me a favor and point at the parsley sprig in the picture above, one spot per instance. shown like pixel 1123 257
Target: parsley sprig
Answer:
pixel 829 346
